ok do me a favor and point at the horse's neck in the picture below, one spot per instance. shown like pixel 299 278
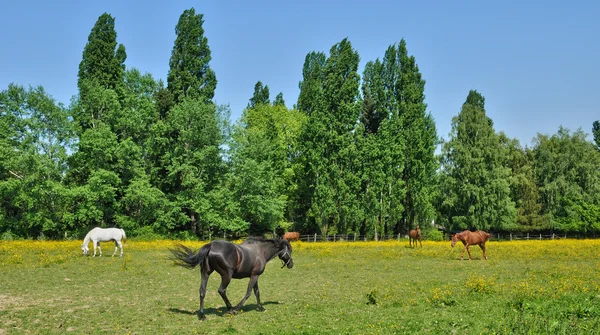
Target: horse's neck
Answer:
pixel 87 239
pixel 270 250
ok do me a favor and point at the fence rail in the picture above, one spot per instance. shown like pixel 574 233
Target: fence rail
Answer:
pixel 495 236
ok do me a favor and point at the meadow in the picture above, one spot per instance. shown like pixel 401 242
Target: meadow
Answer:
pixel 525 287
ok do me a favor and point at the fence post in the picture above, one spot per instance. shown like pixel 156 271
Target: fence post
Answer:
pixel 552 235
pixel 540 237
pixel 315 237
pixel 527 236
pixel 398 237
pixel 511 236
pixel 333 237
pixel 354 237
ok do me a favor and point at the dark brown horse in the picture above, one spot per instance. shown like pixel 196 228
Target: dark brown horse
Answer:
pixel 414 236
pixel 246 260
pixel 468 238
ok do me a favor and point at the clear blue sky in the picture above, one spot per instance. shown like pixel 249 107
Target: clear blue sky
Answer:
pixel 536 62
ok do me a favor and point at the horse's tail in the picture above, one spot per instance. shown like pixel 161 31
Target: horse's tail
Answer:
pixel 186 257
pixel 124 238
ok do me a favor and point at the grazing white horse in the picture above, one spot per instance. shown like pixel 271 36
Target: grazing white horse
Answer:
pixel 98 235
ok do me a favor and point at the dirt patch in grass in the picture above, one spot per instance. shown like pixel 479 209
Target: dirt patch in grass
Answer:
pixel 9 301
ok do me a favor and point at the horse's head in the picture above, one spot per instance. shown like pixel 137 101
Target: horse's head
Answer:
pixel 285 255
pixel 85 249
pixel 454 239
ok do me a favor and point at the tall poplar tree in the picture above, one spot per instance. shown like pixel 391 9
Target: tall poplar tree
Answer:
pixel 420 136
pixel 329 97
pixel 188 164
pixel 102 67
pixel 190 75
pixel 476 190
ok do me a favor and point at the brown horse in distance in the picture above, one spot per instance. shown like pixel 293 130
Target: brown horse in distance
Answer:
pixel 468 238
pixel 291 236
pixel 414 236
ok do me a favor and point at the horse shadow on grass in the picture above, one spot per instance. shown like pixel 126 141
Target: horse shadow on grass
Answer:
pixel 223 310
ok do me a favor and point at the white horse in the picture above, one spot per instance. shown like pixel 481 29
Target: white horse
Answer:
pixel 98 235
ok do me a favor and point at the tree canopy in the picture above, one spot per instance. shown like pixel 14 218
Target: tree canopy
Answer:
pixel 355 154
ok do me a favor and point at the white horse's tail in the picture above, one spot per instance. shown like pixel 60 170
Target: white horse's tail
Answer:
pixel 124 236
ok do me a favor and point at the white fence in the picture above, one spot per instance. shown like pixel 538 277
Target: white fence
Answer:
pixel 495 236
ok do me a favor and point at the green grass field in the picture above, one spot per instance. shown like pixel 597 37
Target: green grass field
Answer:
pixel 534 287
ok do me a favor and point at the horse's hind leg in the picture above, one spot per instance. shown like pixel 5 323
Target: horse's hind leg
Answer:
pixel 482 245
pixel 203 283
pixel 116 247
pixel 251 284
pixel 225 279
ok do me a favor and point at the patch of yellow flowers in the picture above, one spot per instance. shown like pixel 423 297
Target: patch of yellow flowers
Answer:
pixel 50 252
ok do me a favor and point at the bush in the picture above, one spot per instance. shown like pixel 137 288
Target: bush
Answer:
pixel 434 235
pixel 146 233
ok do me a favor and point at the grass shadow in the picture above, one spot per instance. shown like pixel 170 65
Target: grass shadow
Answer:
pixel 221 311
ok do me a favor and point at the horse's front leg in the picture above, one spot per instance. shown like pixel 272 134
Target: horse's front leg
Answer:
pixel 257 294
pixel 99 248
pixel 469 252
pixel 251 284
pixel 463 253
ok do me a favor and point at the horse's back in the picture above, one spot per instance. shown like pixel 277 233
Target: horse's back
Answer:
pixel 240 258
pixel 107 234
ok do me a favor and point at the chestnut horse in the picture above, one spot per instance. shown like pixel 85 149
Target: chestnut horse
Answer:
pixel 414 236
pixel 291 236
pixel 468 238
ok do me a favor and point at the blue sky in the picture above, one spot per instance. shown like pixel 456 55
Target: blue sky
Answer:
pixel 536 62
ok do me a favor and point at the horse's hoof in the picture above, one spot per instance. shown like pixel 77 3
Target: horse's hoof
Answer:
pixel 261 309
pixel 201 317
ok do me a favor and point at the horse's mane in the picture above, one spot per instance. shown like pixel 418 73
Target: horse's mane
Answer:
pixel 277 242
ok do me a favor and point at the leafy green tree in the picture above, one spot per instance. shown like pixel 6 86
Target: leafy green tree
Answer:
pixel 35 135
pixel 193 161
pixel 190 75
pixel 476 189
pixel 261 95
pixel 523 188
pixel 264 142
pixel 566 169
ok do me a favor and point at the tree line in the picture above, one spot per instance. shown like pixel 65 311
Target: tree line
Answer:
pixel 355 154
